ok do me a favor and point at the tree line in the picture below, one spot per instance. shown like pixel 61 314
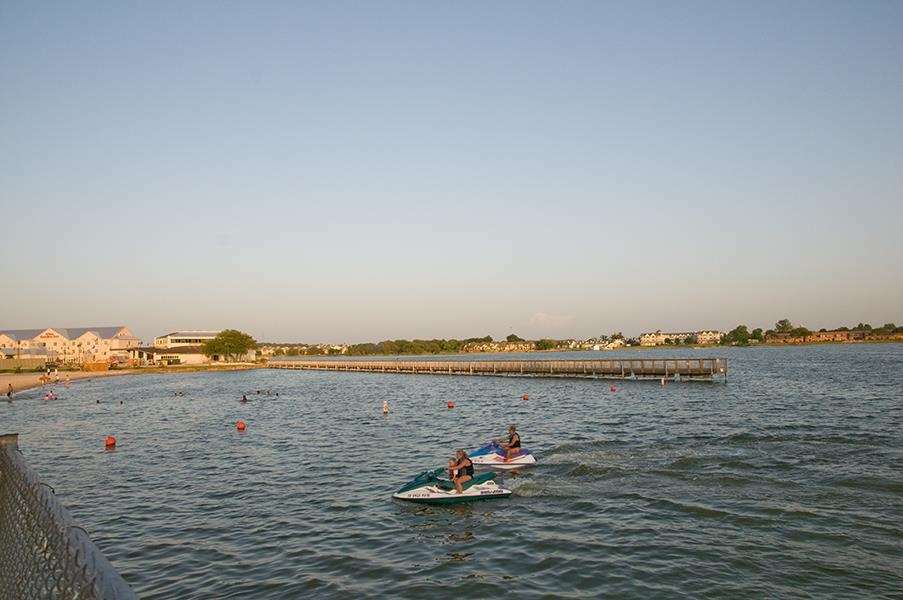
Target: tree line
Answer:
pixel 435 346
pixel 741 335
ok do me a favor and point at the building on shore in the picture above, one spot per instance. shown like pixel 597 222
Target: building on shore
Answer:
pixel 184 338
pixel 183 348
pixel 13 353
pixel 659 337
pixel 177 355
pixel 70 345
pixel 182 355
pixel 609 345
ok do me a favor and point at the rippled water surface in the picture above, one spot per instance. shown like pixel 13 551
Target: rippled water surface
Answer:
pixel 785 481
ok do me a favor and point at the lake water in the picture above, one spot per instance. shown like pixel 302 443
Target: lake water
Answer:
pixel 786 481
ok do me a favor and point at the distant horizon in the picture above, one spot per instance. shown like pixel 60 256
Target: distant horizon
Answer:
pixel 495 337
pixel 399 171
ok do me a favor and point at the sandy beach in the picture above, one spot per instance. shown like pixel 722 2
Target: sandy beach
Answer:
pixel 25 381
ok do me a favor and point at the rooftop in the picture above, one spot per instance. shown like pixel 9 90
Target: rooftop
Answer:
pixel 192 334
pixel 70 333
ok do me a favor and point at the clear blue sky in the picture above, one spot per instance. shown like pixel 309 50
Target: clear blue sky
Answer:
pixel 362 170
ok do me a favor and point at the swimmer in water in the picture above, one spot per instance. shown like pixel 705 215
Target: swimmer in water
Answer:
pixel 385 407
pixel 244 398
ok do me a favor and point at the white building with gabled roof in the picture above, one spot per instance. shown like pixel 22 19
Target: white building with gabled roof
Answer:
pixel 71 344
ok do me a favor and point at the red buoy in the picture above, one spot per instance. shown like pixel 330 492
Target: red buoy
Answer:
pixel 526 397
pixel 451 404
pixel 240 425
pixel 110 442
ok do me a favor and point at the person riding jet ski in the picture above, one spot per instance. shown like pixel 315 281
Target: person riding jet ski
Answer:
pixel 512 446
pixel 460 471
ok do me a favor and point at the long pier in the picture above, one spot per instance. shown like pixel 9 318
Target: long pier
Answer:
pixel 676 369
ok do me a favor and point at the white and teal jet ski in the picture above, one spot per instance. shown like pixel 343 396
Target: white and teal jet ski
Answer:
pixel 492 456
pixel 431 488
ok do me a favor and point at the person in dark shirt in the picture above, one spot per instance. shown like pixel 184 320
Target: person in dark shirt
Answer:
pixel 512 446
pixel 461 471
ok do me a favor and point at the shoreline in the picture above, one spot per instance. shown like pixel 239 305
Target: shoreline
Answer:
pixel 623 348
pixel 22 382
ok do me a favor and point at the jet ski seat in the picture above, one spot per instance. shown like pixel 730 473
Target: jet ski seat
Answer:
pixel 446 484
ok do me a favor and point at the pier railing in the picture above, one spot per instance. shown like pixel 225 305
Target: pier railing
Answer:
pixel 704 369
pixel 43 553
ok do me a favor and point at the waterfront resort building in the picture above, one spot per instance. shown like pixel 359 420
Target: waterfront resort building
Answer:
pixel 184 338
pixel 71 345
pixel 182 348
pixel 659 337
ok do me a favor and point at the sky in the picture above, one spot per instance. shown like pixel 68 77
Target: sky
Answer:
pixel 357 171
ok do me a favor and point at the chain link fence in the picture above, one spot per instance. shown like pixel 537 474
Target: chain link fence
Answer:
pixel 43 554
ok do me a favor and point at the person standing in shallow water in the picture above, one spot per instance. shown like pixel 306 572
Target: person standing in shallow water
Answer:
pixel 9 393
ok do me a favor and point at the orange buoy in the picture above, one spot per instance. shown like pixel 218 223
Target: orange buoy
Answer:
pixel 240 425
pixel 110 442
pixel 451 404
pixel 525 397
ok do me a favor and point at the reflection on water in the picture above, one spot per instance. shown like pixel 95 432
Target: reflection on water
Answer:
pixel 783 482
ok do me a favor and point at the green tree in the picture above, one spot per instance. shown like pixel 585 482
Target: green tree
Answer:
pixel 757 334
pixel 514 338
pixel 617 336
pixel 230 344
pixel 546 344
pixel 799 332
pixel 783 326
pixel 863 327
pixel 888 327
pixel 691 339
pixel 738 336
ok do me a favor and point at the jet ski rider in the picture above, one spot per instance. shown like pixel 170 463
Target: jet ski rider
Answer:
pixel 512 446
pixel 461 471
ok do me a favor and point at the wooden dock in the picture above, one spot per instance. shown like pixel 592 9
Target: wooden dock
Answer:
pixel 675 369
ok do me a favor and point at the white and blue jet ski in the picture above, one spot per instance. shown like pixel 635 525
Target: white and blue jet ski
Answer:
pixel 431 488
pixel 492 456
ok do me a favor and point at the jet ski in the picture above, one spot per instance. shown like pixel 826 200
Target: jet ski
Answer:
pixel 431 488
pixel 492 456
